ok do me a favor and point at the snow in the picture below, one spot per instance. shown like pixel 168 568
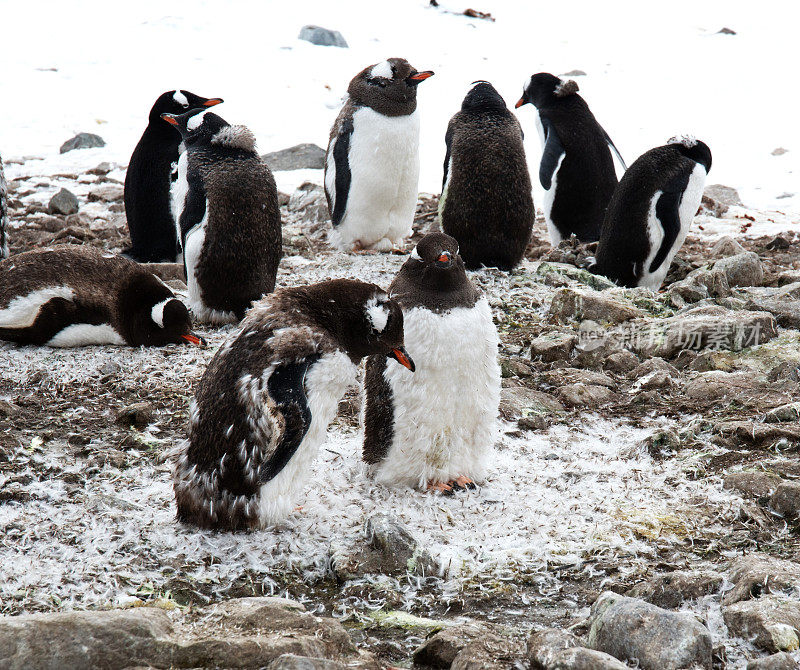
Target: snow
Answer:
pixel 649 77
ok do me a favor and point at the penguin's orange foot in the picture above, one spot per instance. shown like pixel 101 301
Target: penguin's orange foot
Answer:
pixel 462 483
pixel 440 487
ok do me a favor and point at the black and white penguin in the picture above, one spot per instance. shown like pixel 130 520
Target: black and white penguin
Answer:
pixel 651 211
pixel 3 213
pixel 225 203
pixel 486 201
pixel 72 296
pixel 576 170
pixel 148 180
pixel 435 428
pixel 264 403
pixel 372 167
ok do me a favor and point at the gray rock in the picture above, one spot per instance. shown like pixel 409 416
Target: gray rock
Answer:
pixel 788 412
pixel 752 484
pixel 553 347
pixel 786 312
pixel 781 661
pixel 585 395
pixel 630 629
pixel 322 37
pixel 292 662
pixel 105 193
pixel 726 246
pixel 298 157
pixel 742 269
pixel 544 645
pixel 726 194
pixel 756 574
pixel 82 141
pixel 788 277
pixel 717 385
pixel 672 590
pixel 139 414
pixel 441 649
pixel 779 151
pixel 769 622
pixel 655 365
pixel 621 362
pixel 661 443
pixel 569 303
pixel 101 169
pixel 489 652
pixel 579 658
pixel 520 401
pixel 786 370
pixel 561 376
pixel 573 73
pixel 64 202
pixel 786 500
pixel 309 200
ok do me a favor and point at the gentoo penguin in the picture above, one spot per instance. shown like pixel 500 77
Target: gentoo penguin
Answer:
pixel 372 167
pixel 226 206
pixel 147 182
pixel 486 201
pixel 651 211
pixel 434 429
pixel 577 170
pixel 3 213
pixel 264 403
pixel 71 296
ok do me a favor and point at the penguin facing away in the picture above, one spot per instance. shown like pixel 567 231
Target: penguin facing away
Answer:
pixel 148 179
pixel 3 213
pixel 264 403
pixel 72 296
pixel 435 429
pixel 486 201
pixel 226 208
pixel 372 165
pixel 651 212
pixel 576 170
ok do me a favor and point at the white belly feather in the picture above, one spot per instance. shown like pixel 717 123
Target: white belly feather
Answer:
pixel 444 413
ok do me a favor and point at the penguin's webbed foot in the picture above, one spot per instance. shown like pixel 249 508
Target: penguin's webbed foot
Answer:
pixel 440 487
pixel 463 483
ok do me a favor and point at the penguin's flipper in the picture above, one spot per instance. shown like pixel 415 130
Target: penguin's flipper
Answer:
pixel 340 149
pixel 287 395
pixel 194 208
pixel 551 154
pixel 613 148
pixel 448 140
pixel 668 214
pixel 378 412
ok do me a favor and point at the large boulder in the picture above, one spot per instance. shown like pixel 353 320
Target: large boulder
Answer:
pixel 741 270
pixel 298 157
pixel 64 202
pixel 769 622
pixel 322 36
pixel 581 304
pixel 82 141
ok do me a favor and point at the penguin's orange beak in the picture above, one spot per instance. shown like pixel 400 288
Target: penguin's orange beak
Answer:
pixel 212 102
pixel 191 338
pixel 421 76
pixel 169 119
pixel 402 357
pixel 519 104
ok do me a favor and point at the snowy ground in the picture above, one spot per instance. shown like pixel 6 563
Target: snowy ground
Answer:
pixel 650 74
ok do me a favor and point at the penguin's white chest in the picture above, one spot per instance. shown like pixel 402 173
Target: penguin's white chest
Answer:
pixel 384 173
pixel 444 413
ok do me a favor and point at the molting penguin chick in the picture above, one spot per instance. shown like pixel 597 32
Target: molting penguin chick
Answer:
pixel 486 201
pixel 576 170
pixel 263 406
pixel 148 180
pixel 3 213
pixel 75 296
pixel 226 206
pixel 372 168
pixel 435 428
pixel 651 212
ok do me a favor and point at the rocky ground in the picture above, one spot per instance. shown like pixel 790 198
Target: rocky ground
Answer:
pixel 642 507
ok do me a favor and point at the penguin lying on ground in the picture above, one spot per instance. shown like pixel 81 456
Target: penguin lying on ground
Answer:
pixel 263 406
pixel 372 168
pixel 71 296
pixel 486 201
pixel 651 211
pixel 226 206
pixel 148 180
pixel 576 170
pixel 3 213
pixel 435 428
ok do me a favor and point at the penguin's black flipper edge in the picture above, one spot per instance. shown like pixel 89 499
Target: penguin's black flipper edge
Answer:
pixel 551 154
pixel 341 151
pixel 286 388
pixel 613 148
pixel 448 140
pixel 378 412
pixel 668 214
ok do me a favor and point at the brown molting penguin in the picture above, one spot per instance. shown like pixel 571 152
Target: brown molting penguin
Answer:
pixel 71 296
pixel 263 406
pixel 435 429
pixel 372 169
pixel 486 201
pixel 226 206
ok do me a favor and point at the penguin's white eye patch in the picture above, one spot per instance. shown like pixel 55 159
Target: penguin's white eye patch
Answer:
pixel 180 98
pixel 381 70
pixel 378 312
pixel 196 121
pixel 157 313
pixel 415 254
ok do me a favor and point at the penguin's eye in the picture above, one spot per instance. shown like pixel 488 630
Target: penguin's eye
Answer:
pixel 379 82
pixel 185 105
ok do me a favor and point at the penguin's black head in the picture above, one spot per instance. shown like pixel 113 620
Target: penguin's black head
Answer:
pixel 178 102
pixel 693 148
pixel 389 87
pixel 482 96
pixel 544 88
pixel 435 255
pixel 196 125
pixel 150 315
